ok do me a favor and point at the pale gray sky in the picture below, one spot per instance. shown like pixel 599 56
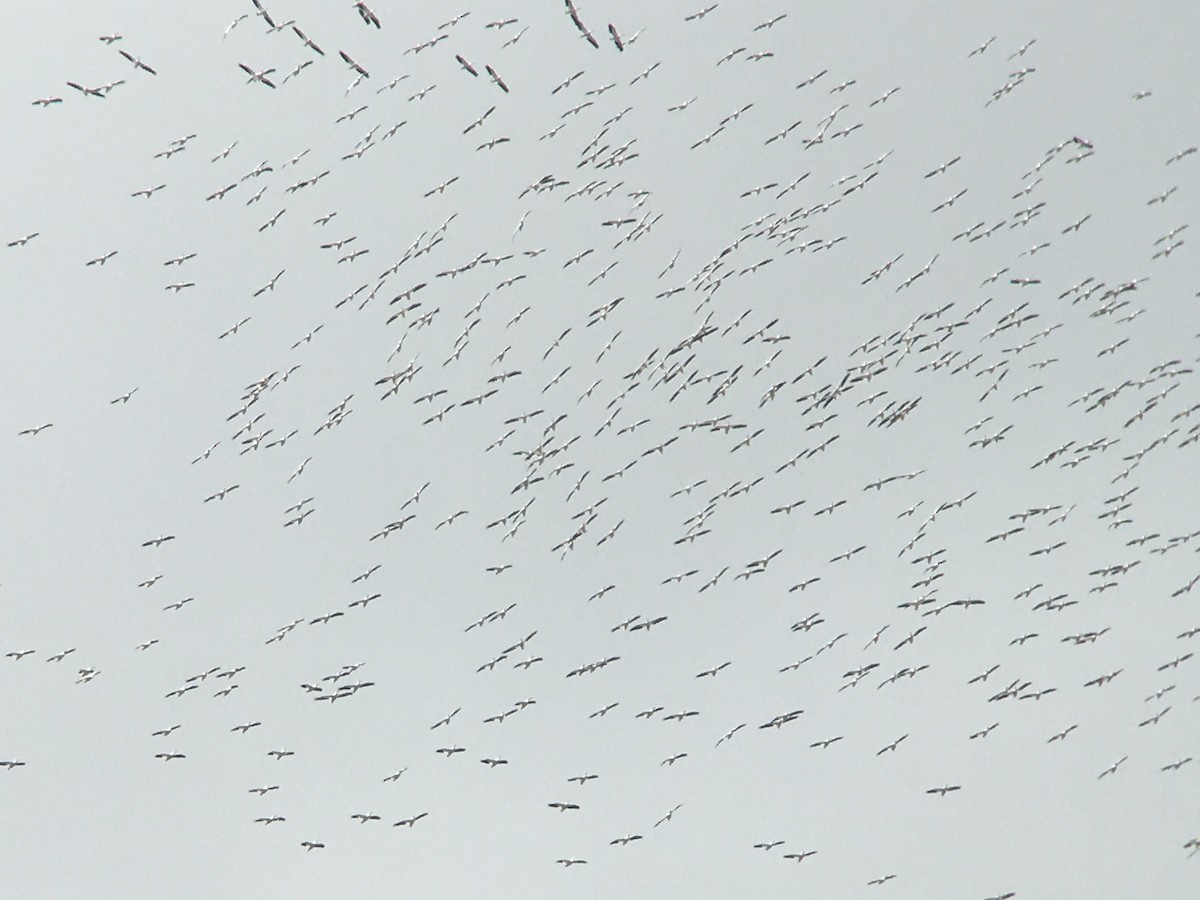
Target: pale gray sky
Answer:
pixel 759 367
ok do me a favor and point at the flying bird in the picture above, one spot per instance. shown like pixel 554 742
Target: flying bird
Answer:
pixel 137 62
pixel 260 76
pixel 499 82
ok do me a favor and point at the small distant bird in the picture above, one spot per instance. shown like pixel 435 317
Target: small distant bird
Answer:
pixel 943 791
pixel 137 63
pixel 368 16
pixel 262 78
pixel 496 78
pixel 799 857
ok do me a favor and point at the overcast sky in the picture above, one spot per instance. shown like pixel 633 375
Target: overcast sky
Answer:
pixel 786 417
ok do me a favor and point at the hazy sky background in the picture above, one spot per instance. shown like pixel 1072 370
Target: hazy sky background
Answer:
pixel 732 269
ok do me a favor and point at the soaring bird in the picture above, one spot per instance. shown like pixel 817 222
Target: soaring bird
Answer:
pixel 137 63
pixel 352 64
pixel 496 78
pixel 367 14
pixel 260 76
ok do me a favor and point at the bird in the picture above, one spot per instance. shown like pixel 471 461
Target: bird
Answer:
pixel 943 791
pixel 1111 770
pixel 801 856
pixel 88 91
pixel 352 64
pixel 669 815
pixel 101 260
pixel 496 79
pixel 148 192
pixel 137 63
pixel 366 14
pixel 259 76
pixel 307 41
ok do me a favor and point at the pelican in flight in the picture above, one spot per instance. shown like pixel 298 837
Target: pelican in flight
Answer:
pixel 259 77
pixel 496 78
pixel 137 62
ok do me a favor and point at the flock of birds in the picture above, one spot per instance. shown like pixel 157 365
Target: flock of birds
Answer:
pixel 707 416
